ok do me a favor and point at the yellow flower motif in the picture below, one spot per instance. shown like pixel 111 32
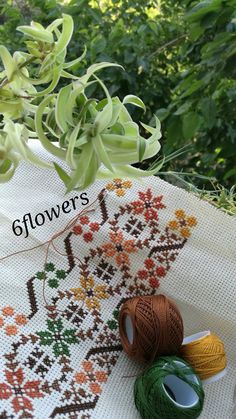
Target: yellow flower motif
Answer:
pixel 173 224
pixel 180 213
pixel 191 221
pixel 119 186
pixel 120 192
pixel 185 232
pixel 90 293
pixel 182 223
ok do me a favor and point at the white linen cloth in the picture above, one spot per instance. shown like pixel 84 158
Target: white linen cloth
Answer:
pixel 69 363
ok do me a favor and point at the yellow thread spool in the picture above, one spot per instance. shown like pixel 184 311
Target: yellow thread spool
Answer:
pixel 205 352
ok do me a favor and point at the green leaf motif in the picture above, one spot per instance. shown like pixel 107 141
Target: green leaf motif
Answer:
pixel 61 348
pixel 46 338
pixel 69 336
pixel 49 267
pixel 112 324
pixel 41 275
pixel 61 274
pixel 58 337
pixel 53 283
pixel 55 325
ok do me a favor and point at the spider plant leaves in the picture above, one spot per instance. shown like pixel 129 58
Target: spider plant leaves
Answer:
pixel 46 143
pixel 8 62
pixel 131 129
pixel 101 152
pixel 91 174
pixel 35 81
pixel 71 146
pixel 134 100
pixel 32 47
pixel 76 61
pixel 153 143
pixel 130 172
pixel 62 174
pixel 61 104
pixel 67 75
pixel 156 130
pixel 82 167
pixel 52 27
pixel 96 138
pixel 37 32
pixel 16 137
pixel 65 35
pixel 7 171
pixel 92 70
pixel 53 84
pixel 141 148
pixel 100 134
pixel 114 142
pixel 11 109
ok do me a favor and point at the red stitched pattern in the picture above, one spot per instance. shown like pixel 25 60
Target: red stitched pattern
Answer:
pixel 152 273
pixel 131 256
pixel 19 391
pixel 148 205
pixel 86 228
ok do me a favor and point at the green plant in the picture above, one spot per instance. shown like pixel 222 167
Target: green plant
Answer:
pixel 179 57
pixel 95 137
pixel 203 105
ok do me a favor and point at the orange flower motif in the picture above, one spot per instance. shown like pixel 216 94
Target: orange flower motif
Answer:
pixel 95 388
pixel 119 248
pixel 91 376
pixel 90 293
pixel 80 378
pixel 8 311
pixel 182 223
pixel 101 376
pixel 11 328
pixel 88 366
pixel 20 319
pixel 119 186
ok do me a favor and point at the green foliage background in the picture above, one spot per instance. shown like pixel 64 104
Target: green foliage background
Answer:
pixel 179 57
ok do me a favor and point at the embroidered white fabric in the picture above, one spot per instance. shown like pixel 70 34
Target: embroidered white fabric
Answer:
pixel 202 281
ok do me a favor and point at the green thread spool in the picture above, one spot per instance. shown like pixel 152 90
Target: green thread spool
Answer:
pixel 169 389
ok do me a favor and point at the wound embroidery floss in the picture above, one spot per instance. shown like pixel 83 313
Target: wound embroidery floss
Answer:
pixel 150 326
pixel 205 352
pixel 169 389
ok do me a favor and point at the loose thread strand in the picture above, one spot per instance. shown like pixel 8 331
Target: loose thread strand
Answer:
pixel 50 243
